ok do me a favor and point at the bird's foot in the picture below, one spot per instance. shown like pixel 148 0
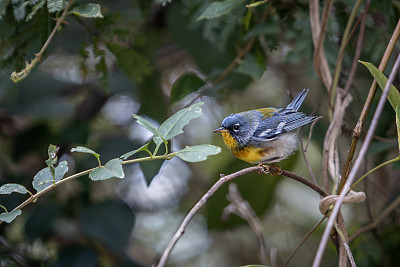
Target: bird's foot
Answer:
pixel 265 168
pixel 275 170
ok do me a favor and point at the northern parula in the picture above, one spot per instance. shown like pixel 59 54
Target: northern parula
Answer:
pixel 265 135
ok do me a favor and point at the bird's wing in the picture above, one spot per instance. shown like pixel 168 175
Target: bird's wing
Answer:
pixel 284 121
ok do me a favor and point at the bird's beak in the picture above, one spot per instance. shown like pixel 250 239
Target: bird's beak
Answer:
pixel 221 129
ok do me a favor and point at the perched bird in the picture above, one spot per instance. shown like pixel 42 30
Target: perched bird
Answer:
pixel 265 135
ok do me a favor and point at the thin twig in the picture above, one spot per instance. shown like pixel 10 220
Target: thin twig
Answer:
pixel 16 77
pixel 360 158
pixel 375 223
pixel 303 240
pixel 242 208
pixel 357 53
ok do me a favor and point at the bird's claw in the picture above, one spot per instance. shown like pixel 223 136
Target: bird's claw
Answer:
pixel 275 170
pixel 264 169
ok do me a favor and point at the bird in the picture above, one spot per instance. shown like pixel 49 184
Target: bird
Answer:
pixel 265 135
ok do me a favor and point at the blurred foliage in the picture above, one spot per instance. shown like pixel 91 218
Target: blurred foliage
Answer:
pixel 164 55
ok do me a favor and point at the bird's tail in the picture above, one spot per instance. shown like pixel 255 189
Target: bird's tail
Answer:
pixel 298 100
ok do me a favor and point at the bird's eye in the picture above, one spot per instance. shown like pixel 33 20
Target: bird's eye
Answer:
pixel 236 127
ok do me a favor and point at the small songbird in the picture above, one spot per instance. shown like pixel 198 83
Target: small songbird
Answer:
pixel 265 135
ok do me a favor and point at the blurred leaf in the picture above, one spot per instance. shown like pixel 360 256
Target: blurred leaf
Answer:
pixel 7 189
pixel 75 256
pixel 174 124
pixel 133 64
pixel 216 9
pixel 249 65
pixel 148 125
pixel 184 85
pixel 35 9
pixel 262 29
pixel 131 153
pixel 9 216
pixel 393 95
pixel 398 125
pixel 89 10
pixel 44 178
pixel 198 153
pixel 150 169
pixel 55 5
pixel 254 265
pixel 246 19
pixel 112 169
pixel 378 147
pixel 41 222
pixel 110 222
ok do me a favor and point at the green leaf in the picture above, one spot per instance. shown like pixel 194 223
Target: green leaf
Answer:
pixel 133 64
pixel 44 178
pixel 89 10
pixel 52 152
pixel 254 265
pixel 9 216
pixel 82 149
pixel 198 153
pixel 174 124
pixel 217 9
pixel 398 125
pixel 7 189
pixel 35 9
pixel 184 85
pixel 131 153
pixel 19 10
pixel 393 95
pixel 55 5
pixel 148 125
pixel 112 169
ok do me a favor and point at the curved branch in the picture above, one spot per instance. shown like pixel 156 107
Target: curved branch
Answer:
pixel 226 178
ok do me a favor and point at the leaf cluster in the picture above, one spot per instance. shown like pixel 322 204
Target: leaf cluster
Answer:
pixel 52 175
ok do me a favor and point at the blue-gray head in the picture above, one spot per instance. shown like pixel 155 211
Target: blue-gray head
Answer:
pixel 238 126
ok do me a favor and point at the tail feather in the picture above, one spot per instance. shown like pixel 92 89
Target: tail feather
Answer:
pixel 298 100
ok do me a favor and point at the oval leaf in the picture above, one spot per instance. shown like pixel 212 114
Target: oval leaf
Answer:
pixel 217 9
pixel 184 85
pixel 174 124
pixel 112 169
pixel 198 153
pixel 44 178
pixel 90 10
pixel 148 125
pixel 9 216
pixel 393 95
pixel 83 149
pixel 7 189
pixel 131 153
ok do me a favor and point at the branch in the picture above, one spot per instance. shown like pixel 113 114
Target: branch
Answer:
pixel 242 208
pixel 34 197
pixel 224 179
pixel 363 116
pixel 16 77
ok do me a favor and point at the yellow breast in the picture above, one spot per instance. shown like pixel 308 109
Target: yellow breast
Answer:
pixel 248 154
